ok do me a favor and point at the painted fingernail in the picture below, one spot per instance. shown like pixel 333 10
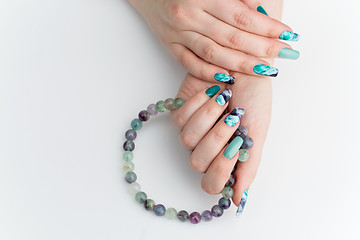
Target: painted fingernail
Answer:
pixel 289 36
pixel 233 147
pixel 265 70
pixel 260 9
pixel 212 91
pixel 242 203
pixel 224 78
pixel 234 117
pixel 289 53
pixel 224 97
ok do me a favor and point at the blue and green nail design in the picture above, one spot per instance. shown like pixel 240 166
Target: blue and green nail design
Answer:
pixel 289 36
pixel 224 97
pixel 242 203
pixel 260 9
pixel 265 70
pixel 224 78
pixel 233 147
pixel 234 117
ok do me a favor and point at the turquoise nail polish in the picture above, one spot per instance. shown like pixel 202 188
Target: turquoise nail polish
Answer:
pixel 233 147
pixel 260 9
pixel 212 91
pixel 289 53
pixel 265 70
pixel 224 78
pixel 224 97
pixel 289 36
pixel 234 117
pixel 242 203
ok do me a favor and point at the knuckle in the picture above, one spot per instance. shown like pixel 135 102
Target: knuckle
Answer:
pixel 197 164
pixel 208 53
pixel 203 72
pixel 188 140
pixel 269 50
pixel 179 121
pixel 236 40
pixel 242 19
pixel 209 188
pixel 219 136
pixel 177 13
pixel 183 59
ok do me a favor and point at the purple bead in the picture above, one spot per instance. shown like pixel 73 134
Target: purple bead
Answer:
pixel 206 216
pixel 248 143
pixel 195 217
pixel 144 115
pixel 183 216
pixel 242 131
pixel 231 181
pixel 224 203
pixel 217 211
pixel 130 135
pixel 152 110
pixel 159 210
pixel 129 145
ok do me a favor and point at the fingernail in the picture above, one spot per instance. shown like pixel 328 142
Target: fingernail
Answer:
pixel 234 117
pixel 233 147
pixel 265 70
pixel 289 53
pixel 212 91
pixel 242 203
pixel 224 97
pixel 289 36
pixel 224 78
pixel 260 9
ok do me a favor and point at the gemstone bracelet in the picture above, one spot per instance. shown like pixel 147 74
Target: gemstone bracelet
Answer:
pixel 159 209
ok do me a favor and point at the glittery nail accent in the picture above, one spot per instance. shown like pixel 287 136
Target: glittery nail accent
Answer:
pixel 265 70
pixel 224 97
pixel 242 203
pixel 289 36
pixel 234 117
pixel 224 78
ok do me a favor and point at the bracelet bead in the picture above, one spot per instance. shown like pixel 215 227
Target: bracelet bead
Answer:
pixel 136 124
pixel 152 110
pixel 144 115
pixel 217 211
pixel 134 188
pixel 171 213
pixel 160 106
pixel 149 204
pixel 195 217
pixel 129 145
pixel 130 135
pixel 130 177
pixel 183 216
pixel 168 104
pixel 140 197
pixel 159 210
pixel 228 192
pixel 224 203
pixel 206 216
pixel 128 156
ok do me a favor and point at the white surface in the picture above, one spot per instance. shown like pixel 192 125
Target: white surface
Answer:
pixel 73 75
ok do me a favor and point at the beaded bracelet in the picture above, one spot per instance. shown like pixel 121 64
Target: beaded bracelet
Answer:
pixel 159 209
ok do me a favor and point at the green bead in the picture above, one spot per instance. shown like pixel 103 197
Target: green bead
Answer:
pixel 128 156
pixel 140 197
pixel 171 213
pixel 228 192
pixel 243 155
pixel 178 102
pixel 160 107
pixel 136 124
pixel 128 166
pixel 169 104
pixel 149 204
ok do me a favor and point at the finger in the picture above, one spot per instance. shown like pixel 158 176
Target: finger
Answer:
pixel 241 16
pixel 204 119
pixel 193 64
pixel 182 115
pixel 210 146
pixel 220 169
pixel 227 58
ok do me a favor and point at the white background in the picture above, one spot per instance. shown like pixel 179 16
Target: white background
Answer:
pixel 74 73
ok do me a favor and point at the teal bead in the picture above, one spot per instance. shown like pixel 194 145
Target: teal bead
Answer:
pixel 128 156
pixel 228 192
pixel 168 104
pixel 171 213
pixel 178 102
pixel 149 204
pixel 128 167
pixel 243 155
pixel 140 197
pixel 136 124
pixel 160 106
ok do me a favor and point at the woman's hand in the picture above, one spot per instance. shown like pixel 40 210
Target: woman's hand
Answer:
pixel 211 36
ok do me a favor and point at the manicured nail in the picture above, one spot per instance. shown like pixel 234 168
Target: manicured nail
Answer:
pixel 224 97
pixel 260 9
pixel 289 36
pixel 265 70
pixel 212 91
pixel 289 53
pixel 242 203
pixel 234 117
pixel 233 147
pixel 224 78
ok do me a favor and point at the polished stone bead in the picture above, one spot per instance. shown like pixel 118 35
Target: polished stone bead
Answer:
pixel 136 124
pixel 217 211
pixel 231 181
pixel 195 217
pixel 160 106
pixel 140 197
pixel 128 156
pixel 243 155
pixel 178 102
pixel 169 104
pixel 171 213
pixel 183 216
pixel 159 210
pixel 129 166
pixel 130 177
pixel 206 216
pixel 228 192
pixel 152 110
pixel 144 116
pixel 130 134
pixel 242 131
pixel 248 143
pixel 149 204
pixel 134 188
pixel 129 146
pixel 224 203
